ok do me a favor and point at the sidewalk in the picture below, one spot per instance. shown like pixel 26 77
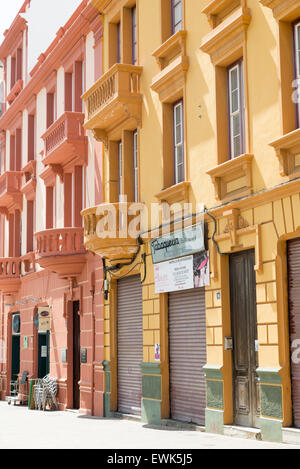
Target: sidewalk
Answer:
pixel 21 428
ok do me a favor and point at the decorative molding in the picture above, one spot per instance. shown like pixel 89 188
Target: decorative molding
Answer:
pixel 175 194
pixel 174 64
pixel 217 10
pixel 232 178
pixel 226 42
pixel 287 150
pixel 283 10
pixel 234 232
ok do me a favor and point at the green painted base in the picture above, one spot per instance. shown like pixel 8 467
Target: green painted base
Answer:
pixel 271 429
pixel 151 411
pixel 214 421
pixel 106 405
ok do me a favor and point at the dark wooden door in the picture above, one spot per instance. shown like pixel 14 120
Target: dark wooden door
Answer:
pixel 76 355
pixel 43 353
pixel 15 357
pixel 244 331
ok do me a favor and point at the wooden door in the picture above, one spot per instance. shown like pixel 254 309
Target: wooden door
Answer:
pixel 244 332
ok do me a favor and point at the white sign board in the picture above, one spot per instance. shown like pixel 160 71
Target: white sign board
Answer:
pixel 184 273
pixel 174 275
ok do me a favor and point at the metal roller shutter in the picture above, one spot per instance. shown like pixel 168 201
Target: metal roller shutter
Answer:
pixel 294 313
pixel 130 344
pixel 187 353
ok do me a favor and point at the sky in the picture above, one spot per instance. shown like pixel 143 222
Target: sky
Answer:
pixel 9 10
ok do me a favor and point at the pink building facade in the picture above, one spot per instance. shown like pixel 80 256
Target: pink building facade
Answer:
pixel 51 169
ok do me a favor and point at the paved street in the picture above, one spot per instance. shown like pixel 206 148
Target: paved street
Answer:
pixel 21 428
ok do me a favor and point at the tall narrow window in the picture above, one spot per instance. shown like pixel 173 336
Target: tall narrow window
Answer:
pixel 134 35
pixel 297 66
pixel 236 111
pixel 120 161
pixel 119 43
pixel 51 111
pixel 178 143
pixel 135 167
pixel 31 137
pixel 176 15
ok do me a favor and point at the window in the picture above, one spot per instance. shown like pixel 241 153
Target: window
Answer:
pixel 178 142
pixel 297 65
pixel 120 179
pixel 135 167
pixel 31 137
pixel 119 43
pixel 236 124
pixel 134 35
pixel 51 108
pixel 176 15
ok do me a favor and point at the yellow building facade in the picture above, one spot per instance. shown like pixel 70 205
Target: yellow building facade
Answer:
pixel 198 105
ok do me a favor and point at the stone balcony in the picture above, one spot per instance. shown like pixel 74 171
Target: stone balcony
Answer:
pixel 10 191
pixel 61 251
pixel 106 231
pixel 114 102
pixel 65 141
pixel 10 275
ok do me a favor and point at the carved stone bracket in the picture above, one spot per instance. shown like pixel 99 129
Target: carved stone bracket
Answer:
pixel 233 220
pixel 235 229
pixel 101 136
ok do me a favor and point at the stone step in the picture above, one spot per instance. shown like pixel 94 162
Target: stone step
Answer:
pixel 133 418
pixel 177 425
pixel 291 435
pixel 242 432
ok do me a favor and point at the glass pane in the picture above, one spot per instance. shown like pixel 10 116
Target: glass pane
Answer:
pixel 179 154
pixel 235 101
pixel 298 36
pixel 179 173
pixel 234 79
pixel 178 114
pixel 237 150
pixel 178 135
pixel 236 125
pixel 177 13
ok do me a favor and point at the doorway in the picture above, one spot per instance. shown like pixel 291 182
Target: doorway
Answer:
pixel 76 355
pixel 43 354
pixel 15 346
pixel 245 345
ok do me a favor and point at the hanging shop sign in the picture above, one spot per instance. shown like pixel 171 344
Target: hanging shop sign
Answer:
pixel 178 244
pixel 44 318
pixel 16 324
pixel 184 273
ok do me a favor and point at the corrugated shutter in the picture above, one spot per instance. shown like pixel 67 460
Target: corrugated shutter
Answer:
pixel 130 344
pixel 294 312
pixel 187 353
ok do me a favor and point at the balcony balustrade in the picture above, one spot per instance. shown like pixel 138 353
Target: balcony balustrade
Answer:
pixel 114 101
pixel 61 251
pixel 110 231
pixel 65 141
pixel 10 272
pixel 10 190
